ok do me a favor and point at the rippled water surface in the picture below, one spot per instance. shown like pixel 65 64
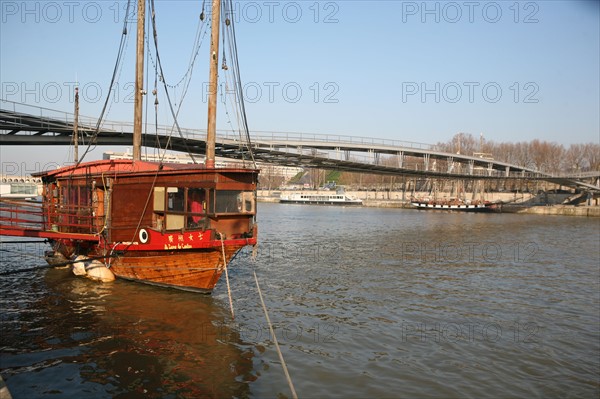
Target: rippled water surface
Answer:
pixel 365 303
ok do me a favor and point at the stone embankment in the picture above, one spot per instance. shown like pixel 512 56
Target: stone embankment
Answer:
pixel 543 204
pixel 561 210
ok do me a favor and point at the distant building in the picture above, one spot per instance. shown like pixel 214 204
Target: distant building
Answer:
pixel 20 186
pixel 266 169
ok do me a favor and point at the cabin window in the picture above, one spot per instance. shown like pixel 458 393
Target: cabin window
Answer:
pixel 175 219
pixel 248 198
pixel 159 199
pixel 228 202
pixel 196 208
pixel 233 201
pixel 179 208
pixel 175 199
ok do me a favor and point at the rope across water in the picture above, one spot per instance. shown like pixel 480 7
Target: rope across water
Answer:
pixel 285 370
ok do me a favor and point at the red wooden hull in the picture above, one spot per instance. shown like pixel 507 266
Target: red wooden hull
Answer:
pixel 196 270
pixel 191 261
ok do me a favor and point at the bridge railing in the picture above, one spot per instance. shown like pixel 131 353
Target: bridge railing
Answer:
pixel 373 161
pixel 341 147
pixel 47 117
pixel 299 138
pixel 300 144
pixel 580 175
pixel 269 137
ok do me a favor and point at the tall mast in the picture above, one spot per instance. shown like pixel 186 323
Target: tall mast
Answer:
pixel 212 85
pixel 139 82
pixel 76 127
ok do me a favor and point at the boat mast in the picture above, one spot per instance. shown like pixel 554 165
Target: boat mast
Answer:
pixel 76 127
pixel 211 132
pixel 139 82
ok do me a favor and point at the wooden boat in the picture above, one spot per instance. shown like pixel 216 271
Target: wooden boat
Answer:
pixel 166 224
pixel 455 205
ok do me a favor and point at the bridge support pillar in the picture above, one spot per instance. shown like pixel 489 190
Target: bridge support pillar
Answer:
pixel 373 156
pixel 450 161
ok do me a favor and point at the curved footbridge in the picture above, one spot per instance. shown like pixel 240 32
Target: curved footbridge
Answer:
pixel 22 124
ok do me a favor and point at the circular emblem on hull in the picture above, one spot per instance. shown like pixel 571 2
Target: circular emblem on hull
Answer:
pixel 144 236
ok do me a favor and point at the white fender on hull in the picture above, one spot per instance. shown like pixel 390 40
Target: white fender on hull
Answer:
pixel 93 269
pixel 98 271
pixel 79 266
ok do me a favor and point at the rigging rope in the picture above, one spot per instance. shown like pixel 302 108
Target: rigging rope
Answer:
pixel 162 75
pixel 233 53
pixel 229 31
pixel 122 46
pixel 198 43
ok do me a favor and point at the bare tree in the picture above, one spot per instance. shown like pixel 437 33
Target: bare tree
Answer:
pixel 554 158
pixel 575 158
pixel 592 155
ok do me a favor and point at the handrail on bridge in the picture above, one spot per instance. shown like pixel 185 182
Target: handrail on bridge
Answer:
pixel 294 147
pixel 271 136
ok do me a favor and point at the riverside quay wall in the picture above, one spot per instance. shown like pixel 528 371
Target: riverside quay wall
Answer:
pixel 528 203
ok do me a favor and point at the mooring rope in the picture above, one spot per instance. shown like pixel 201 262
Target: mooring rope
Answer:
pixel 29 269
pixel 24 242
pixel 227 276
pixel 285 370
pixel 49 266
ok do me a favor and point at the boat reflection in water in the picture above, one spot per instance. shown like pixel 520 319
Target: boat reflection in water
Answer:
pixel 69 336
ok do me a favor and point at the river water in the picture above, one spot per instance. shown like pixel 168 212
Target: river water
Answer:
pixel 365 303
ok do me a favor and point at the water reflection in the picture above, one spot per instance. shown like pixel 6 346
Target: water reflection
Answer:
pixel 118 340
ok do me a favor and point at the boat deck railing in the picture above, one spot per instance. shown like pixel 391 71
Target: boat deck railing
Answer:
pixel 33 215
pixel 15 213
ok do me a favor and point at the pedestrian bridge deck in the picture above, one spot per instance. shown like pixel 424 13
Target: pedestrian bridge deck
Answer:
pixel 22 124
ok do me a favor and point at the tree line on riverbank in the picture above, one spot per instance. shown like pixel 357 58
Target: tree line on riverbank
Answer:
pixel 541 155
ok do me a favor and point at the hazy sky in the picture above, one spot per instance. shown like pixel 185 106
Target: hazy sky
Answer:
pixel 414 71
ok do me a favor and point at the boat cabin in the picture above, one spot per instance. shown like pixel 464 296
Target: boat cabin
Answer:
pixel 117 198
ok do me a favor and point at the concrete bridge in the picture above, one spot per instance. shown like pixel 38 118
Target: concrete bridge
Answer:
pixel 22 124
